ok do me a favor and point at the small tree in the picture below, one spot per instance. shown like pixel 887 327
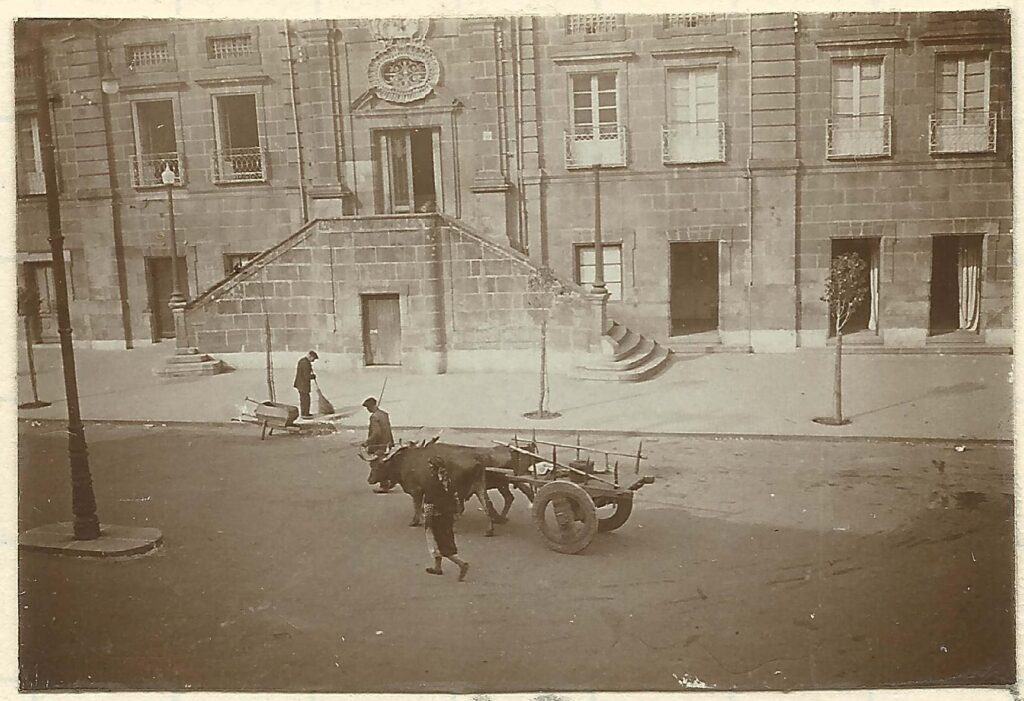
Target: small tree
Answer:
pixel 544 289
pixel 845 290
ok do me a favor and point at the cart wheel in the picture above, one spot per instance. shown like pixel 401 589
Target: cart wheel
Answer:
pixel 573 520
pixel 263 433
pixel 615 518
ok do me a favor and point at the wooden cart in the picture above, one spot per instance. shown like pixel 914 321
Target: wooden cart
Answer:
pixel 575 500
pixel 273 415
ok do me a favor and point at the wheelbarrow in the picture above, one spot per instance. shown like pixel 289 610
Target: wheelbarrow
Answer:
pixel 273 415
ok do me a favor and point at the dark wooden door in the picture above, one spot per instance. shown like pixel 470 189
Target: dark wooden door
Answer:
pixel 158 274
pixel 382 330
pixel 693 297
pixel 40 280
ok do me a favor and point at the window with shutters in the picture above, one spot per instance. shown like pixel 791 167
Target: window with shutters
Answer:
pixel 963 121
pixel 596 137
pixel 693 132
pixel 29 159
pixel 586 267
pixel 859 126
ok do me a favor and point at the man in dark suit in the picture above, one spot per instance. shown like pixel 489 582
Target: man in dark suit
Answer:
pixel 379 438
pixel 303 376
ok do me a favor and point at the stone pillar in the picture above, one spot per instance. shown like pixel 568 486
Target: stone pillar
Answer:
pixel 317 90
pixel 487 42
pixel 600 344
pixel 773 168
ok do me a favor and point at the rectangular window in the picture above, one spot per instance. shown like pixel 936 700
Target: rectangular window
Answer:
pixel 596 138
pixel 230 47
pixel 144 55
pixel 29 158
pixel 234 261
pixel 693 133
pixel 239 154
pixel 859 125
pixel 963 122
pixel 586 266
pixel 589 25
pixel 156 146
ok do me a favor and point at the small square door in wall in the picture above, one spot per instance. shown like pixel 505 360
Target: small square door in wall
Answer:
pixel 382 329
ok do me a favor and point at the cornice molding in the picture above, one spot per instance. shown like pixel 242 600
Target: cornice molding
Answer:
pixel 694 51
pixel 592 56
pixel 255 79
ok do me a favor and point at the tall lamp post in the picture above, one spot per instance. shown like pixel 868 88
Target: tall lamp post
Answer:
pixel 83 500
pixel 598 286
pixel 177 300
pixel 168 178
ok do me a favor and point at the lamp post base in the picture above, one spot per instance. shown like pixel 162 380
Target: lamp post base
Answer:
pixel 189 362
pixel 113 541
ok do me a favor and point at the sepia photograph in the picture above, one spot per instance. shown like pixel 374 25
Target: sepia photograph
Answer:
pixel 511 352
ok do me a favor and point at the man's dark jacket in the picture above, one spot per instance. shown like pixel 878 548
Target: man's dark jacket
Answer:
pixel 303 374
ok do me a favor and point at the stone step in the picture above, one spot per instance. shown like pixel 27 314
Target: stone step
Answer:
pixel 930 349
pixel 207 366
pixel 627 345
pixel 682 348
pixel 651 367
pixel 642 351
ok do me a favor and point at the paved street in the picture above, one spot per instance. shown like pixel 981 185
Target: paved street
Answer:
pixel 749 564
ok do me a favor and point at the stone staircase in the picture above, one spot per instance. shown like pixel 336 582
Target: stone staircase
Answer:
pixel 189 362
pixel 626 356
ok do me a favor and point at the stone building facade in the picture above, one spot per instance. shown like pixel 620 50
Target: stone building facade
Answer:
pixel 738 155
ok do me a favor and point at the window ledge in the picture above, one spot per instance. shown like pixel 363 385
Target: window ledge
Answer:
pixel 581 57
pixel 854 37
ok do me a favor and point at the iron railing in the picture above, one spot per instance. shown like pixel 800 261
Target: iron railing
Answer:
pixel 239 165
pixel 968 133
pixel 607 148
pixel 148 168
pixel 693 142
pixel 858 136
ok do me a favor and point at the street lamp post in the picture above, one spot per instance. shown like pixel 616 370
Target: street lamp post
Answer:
pixel 599 286
pixel 177 300
pixel 83 500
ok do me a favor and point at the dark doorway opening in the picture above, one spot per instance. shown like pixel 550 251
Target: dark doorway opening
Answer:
pixel 382 329
pixel 39 279
pixel 955 286
pixel 865 316
pixel 408 170
pixel 693 298
pixel 158 278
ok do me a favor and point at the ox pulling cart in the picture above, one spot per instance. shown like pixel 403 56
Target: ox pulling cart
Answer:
pixel 575 500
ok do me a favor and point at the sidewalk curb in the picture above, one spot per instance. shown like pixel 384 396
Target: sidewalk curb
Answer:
pixel 808 437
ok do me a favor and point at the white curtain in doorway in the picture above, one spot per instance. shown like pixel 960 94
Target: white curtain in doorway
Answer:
pixel 969 269
pixel 873 292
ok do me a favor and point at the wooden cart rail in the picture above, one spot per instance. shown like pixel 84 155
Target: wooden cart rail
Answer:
pixel 589 450
pixel 557 464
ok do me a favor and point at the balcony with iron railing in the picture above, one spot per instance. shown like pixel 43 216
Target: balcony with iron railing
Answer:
pixel 971 132
pixel 148 168
pixel 692 142
pixel 239 165
pixel 859 136
pixel 606 147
